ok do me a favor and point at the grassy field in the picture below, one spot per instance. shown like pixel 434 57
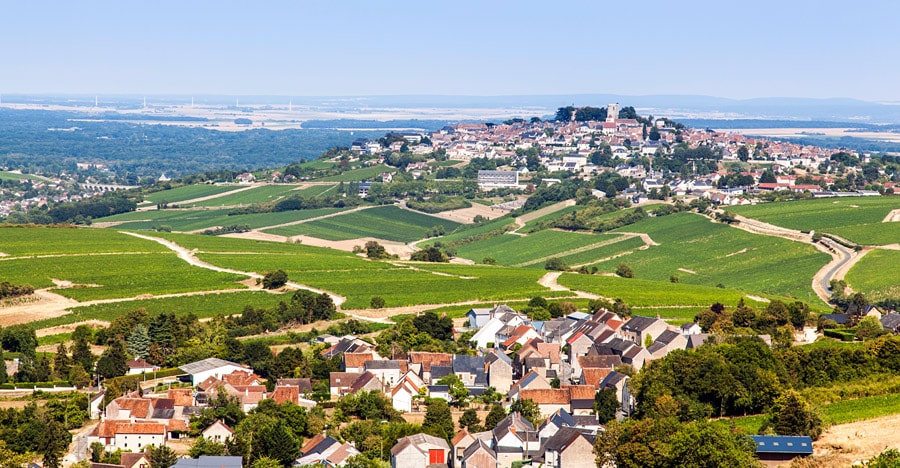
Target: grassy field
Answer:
pixel 4 175
pixel 673 315
pixel 27 241
pixel 858 219
pixel 464 231
pixel 384 222
pixel 644 293
pixel 840 412
pixel 209 305
pixel 116 275
pixel 533 249
pixel 189 192
pixel 363 173
pixel 321 261
pixel 230 244
pixel 190 220
pixel 714 254
pixel 622 245
pixel 262 194
pixel 403 286
pixel 876 275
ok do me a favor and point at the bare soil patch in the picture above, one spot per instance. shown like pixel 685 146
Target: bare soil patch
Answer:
pixel 758 298
pixel 852 442
pixel 892 217
pixel 687 271
pixel 467 215
pixel 738 252
pixel 68 328
pixel 41 305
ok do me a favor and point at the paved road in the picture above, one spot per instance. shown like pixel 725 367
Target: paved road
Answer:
pixel 846 256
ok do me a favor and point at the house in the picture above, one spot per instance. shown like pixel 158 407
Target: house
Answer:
pixel 134 460
pixel 139 366
pixel 326 451
pixel 499 370
pixel 406 391
pixel 691 328
pixel 486 336
pixel 367 382
pixel 514 439
pixel 568 448
pixel 782 448
pixel 619 382
pixel 891 322
pixel 420 450
pixel 218 432
pixel 667 342
pixel 340 382
pixel 638 328
pixel 422 363
pixel 478 455
pixel 529 381
pixel 209 461
pixel 470 370
pixel 459 443
pixel 304 385
pixel 127 435
pixel 356 362
pixel 557 420
pixel 387 371
pixel 211 367
pixel 497 179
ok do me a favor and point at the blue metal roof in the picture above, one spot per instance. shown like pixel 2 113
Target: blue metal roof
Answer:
pixel 800 445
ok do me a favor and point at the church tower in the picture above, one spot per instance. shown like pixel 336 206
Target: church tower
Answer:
pixel 612 112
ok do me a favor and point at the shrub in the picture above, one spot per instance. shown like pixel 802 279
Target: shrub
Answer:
pixel 275 279
pixel 624 271
pixel 555 264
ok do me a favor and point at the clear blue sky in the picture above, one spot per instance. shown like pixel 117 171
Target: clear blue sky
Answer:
pixel 717 48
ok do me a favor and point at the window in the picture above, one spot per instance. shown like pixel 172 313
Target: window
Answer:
pixel 435 456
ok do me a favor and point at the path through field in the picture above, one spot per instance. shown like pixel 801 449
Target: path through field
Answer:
pixel 524 219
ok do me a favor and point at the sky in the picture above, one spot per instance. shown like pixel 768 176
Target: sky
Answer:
pixel 785 48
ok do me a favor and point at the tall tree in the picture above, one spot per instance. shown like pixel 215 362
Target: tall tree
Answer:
pixel 61 363
pixel 438 419
pixel 494 416
pixel 112 362
pixel 792 415
pixel 161 457
pixel 139 342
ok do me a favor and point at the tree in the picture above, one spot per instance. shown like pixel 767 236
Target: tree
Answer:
pixel 204 446
pixel 278 442
pixel 11 459
pixel 81 349
pixel 440 328
pixel 377 302
pixel 470 420
pixel 743 154
pixel 274 279
pixel 458 391
pixel 767 177
pixel 139 342
pixel 161 457
pixel 112 362
pixel 890 458
pixel 790 414
pixel 555 264
pixel 438 419
pixel 868 328
pixel 375 250
pixel 605 404
pixel 61 363
pixel 266 462
pixel 495 415
pixel 528 409
pixel 624 271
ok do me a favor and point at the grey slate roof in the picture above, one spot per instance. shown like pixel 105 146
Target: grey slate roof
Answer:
pixel 639 323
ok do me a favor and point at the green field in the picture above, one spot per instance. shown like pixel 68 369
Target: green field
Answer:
pixel 188 192
pixel 403 286
pixel 877 275
pixel 384 222
pixel 207 305
pixel 643 293
pixel 673 315
pixel 116 275
pixel 533 249
pixel 4 175
pixel 26 241
pixel 620 247
pixel 464 231
pixel 321 260
pixel 363 173
pixel 230 244
pixel 714 253
pixel 858 219
pixel 261 194
pixel 191 220
pixel 841 412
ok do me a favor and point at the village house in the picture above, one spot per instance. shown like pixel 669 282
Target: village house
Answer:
pixel 420 451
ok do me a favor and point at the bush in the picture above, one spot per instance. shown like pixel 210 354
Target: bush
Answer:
pixel 555 264
pixel 275 279
pixel 377 302
pixel 624 271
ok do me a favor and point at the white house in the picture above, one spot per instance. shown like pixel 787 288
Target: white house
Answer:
pixel 218 432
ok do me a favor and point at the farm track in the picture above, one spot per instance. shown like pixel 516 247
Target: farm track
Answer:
pixel 203 199
pixel 191 259
pixel 521 221
pixel 578 250
pixel 842 258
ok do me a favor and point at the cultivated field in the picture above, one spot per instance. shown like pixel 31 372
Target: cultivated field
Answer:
pixel 356 175
pixel 189 192
pixel 193 219
pixel 533 249
pixel 29 241
pixel 385 222
pixel 859 219
pixel 877 275
pixel 261 194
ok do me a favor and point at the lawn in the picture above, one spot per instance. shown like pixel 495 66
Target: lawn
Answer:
pixel 188 192
pixel 645 293
pixel 116 275
pixel 859 218
pixel 403 286
pixel 701 252
pixel 26 241
pixel 877 275
pixel 191 220
pixel 207 305
pixel 385 222
pixel 261 194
